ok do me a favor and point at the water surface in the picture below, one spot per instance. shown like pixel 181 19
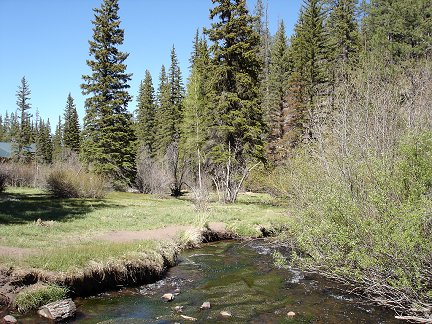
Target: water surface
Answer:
pixel 236 277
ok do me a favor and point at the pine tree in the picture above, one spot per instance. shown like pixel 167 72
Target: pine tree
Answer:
pixel 71 129
pixel 176 95
pixel 196 109
pixel 44 145
pixel 146 110
pixel 280 70
pixel 57 142
pixel 398 29
pixel 108 137
pixel 310 52
pixel 344 31
pixel 163 115
pixel 264 53
pixel 237 121
pixel 22 141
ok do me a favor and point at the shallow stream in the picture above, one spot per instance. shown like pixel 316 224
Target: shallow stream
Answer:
pixel 239 278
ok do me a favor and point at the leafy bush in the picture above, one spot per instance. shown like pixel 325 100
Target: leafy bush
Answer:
pixel 360 194
pixel 39 295
pixel 66 181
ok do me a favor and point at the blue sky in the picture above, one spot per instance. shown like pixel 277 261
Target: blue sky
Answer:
pixel 47 42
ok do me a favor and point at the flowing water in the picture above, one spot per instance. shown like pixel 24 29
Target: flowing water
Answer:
pixel 235 277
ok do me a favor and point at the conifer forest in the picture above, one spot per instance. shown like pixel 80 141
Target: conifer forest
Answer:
pixel 335 121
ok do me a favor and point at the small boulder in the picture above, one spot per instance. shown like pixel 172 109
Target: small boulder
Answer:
pixel 225 314
pixel 291 314
pixel 205 305
pixel 9 319
pixel 167 297
pixel 188 318
pixel 59 310
pixel 177 292
pixel 178 309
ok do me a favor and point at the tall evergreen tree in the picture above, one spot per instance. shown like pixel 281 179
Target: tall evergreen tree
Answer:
pixel 57 142
pixel 237 125
pixel 108 136
pixel 264 53
pixel 343 31
pixel 163 115
pixel 71 129
pixel 310 52
pixel 22 141
pixel 146 110
pixel 176 95
pixel 44 145
pixel 399 29
pixel 280 70
pixel 196 108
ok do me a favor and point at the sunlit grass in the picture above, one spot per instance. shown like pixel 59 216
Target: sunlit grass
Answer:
pixel 67 236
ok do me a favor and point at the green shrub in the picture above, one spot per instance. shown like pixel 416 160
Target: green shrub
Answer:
pixel 39 295
pixel 71 182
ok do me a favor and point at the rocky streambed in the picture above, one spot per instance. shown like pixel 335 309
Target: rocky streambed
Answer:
pixel 240 283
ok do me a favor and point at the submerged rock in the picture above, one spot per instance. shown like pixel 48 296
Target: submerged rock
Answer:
pixel 9 319
pixel 188 318
pixel 205 305
pixel 291 314
pixel 167 297
pixel 225 314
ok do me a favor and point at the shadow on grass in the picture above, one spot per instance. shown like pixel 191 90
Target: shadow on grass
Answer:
pixel 18 208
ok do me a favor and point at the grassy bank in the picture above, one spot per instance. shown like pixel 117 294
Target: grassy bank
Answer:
pixel 68 236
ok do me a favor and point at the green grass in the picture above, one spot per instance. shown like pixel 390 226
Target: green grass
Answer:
pixel 38 295
pixel 69 241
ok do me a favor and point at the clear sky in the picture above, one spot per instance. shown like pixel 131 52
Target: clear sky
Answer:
pixel 47 42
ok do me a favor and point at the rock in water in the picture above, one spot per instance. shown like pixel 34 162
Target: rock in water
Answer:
pixel 9 319
pixel 225 314
pixel 59 310
pixel 205 305
pixel 291 314
pixel 188 318
pixel 167 297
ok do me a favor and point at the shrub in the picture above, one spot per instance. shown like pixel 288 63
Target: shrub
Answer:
pixel 152 178
pixel 66 181
pixel 3 180
pixel 39 295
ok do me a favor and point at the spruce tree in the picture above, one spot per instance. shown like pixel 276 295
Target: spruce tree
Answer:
pixel 44 145
pixel 163 118
pixel 280 70
pixel 343 31
pixel 146 109
pixel 262 28
pixel 108 137
pixel 237 121
pixel 196 121
pixel 23 138
pixel 176 95
pixel 398 29
pixel 71 129
pixel 310 53
pixel 57 142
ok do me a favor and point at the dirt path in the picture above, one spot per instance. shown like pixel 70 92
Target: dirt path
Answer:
pixel 15 251
pixel 166 233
